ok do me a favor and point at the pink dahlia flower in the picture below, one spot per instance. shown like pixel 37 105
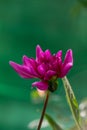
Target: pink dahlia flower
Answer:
pixel 46 67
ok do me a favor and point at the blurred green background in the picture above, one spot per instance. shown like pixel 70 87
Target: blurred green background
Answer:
pixel 53 24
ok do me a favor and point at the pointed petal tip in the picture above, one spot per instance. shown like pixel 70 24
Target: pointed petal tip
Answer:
pixel 38 47
pixel 71 55
pixel 39 52
pixel 24 56
pixel 68 57
pixel 11 63
pixel 59 53
pixel 24 59
pixel 69 51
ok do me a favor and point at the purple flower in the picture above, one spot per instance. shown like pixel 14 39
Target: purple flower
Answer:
pixel 45 67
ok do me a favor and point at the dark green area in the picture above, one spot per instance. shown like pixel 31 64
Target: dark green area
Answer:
pixel 52 24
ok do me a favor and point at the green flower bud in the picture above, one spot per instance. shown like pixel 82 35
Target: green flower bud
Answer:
pixel 53 84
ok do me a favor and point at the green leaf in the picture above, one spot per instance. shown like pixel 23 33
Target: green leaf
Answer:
pixel 53 124
pixel 72 102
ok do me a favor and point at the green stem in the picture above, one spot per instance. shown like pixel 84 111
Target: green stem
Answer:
pixel 72 102
pixel 43 111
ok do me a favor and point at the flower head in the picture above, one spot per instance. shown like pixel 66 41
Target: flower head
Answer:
pixel 46 67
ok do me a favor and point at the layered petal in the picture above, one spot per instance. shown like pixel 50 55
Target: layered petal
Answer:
pixel 45 67
pixel 42 85
pixel 39 53
pixel 47 55
pixel 67 64
pixel 29 62
pixel 68 58
pixel 59 54
pixel 49 74
pixel 65 70
pixel 59 57
pixel 42 69
pixel 24 71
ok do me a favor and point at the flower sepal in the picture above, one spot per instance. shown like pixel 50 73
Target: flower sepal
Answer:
pixel 53 84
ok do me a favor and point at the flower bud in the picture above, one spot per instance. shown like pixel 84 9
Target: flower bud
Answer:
pixel 53 84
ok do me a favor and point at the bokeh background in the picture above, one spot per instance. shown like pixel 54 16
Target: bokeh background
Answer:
pixel 53 24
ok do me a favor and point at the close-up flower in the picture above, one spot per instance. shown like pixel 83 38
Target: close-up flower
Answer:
pixel 45 66
pixel 43 48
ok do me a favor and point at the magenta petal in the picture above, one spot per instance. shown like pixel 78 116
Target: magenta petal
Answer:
pixel 68 58
pixel 48 55
pixel 42 85
pixel 68 63
pixel 39 53
pixel 42 69
pixel 59 54
pixel 31 64
pixel 29 61
pixel 65 70
pixel 49 74
pixel 59 57
pixel 21 70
